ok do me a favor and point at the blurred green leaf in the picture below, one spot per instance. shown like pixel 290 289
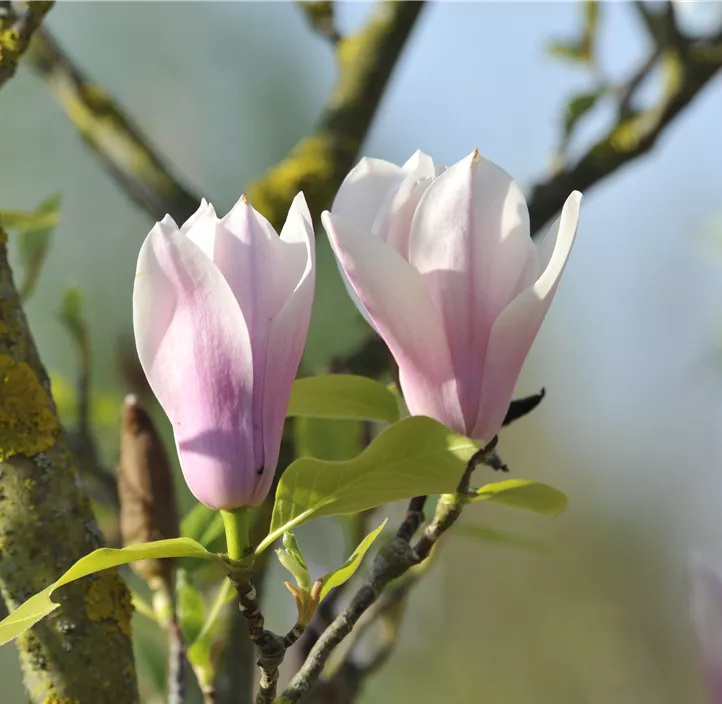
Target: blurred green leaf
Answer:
pixel 149 655
pixel 328 439
pixel 45 217
pixel 206 526
pixel 71 315
pixel 34 231
pixel 40 605
pixel 342 396
pixel 200 652
pixel 190 606
pixel 571 50
pixel 583 49
pixel 65 397
pixel 578 107
pixel 493 535
pixel 143 607
pixel 524 494
pixel 198 521
pixel 415 456
pixel 348 569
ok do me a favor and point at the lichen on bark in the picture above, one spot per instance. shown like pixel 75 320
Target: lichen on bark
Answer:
pixel 81 653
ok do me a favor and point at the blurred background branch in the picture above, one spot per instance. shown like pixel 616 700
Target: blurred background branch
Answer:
pixel 126 153
pixel 687 64
pixel 322 18
pixel 318 163
pixel 365 62
pixel 16 30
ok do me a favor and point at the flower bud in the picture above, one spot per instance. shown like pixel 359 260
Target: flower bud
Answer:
pixel 441 262
pixel 221 310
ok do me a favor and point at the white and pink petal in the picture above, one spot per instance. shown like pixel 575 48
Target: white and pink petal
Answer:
pixel 470 241
pixel 395 296
pixel 194 347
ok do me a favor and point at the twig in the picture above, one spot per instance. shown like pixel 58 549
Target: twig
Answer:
pixel 661 24
pixel 270 647
pixel 176 663
pixel 320 15
pixel 16 30
pixel 326 611
pixel 347 676
pixel 628 90
pixel 125 151
pixel 695 64
pixel 81 438
pixel 392 561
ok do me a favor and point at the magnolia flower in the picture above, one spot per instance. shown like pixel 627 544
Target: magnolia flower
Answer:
pixel 443 265
pixel 706 582
pixel 221 310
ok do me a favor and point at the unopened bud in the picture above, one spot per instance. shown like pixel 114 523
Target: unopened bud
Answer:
pixel 146 493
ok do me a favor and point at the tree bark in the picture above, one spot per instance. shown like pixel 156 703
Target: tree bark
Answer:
pixel 82 652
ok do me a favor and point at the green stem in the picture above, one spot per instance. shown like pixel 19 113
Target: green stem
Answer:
pixel 236 523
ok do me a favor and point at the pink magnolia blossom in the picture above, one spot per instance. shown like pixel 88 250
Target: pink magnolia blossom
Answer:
pixel 221 308
pixel 441 262
pixel 706 582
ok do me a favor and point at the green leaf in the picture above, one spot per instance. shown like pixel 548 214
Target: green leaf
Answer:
pixel 342 396
pixel 291 545
pixel 292 559
pixel 524 494
pixel 71 318
pixel 71 313
pixel 202 524
pixel 34 231
pixel 328 439
pixel 347 570
pixel 493 535
pixel 40 605
pixel 190 606
pixel 44 217
pixel 570 50
pixel 412 457
pixel 142 607
pixel 583 49
pixel 591 24
pixel 579 106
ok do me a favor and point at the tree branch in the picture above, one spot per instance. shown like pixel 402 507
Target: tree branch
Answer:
pixel 16 31
pixel 321 16
pixel 690 65
pixel 392 561
pixel 126 153
pixel 317 164
pixel 82 652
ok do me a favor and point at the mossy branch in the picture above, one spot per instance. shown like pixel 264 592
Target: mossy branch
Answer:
pixel 16 30
pixel 688 65
pixel 316 165
pixel 82 652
